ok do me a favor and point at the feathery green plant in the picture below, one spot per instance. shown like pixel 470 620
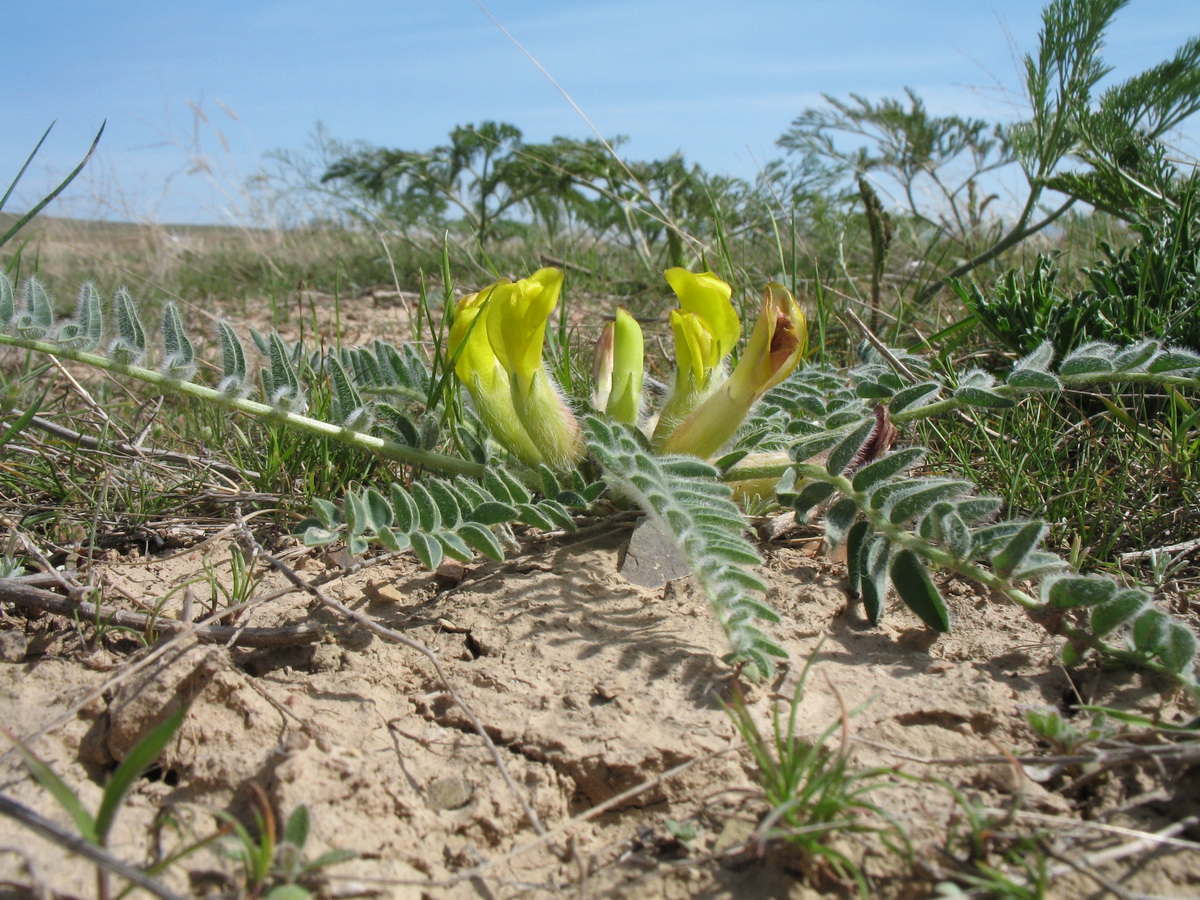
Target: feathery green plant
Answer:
pixel 819 438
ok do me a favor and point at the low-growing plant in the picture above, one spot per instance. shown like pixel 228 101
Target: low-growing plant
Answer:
pixel 813 792
pixel 989 858
pixel 1151 286
pixel 1064 736
pixel 94 828
pixel 273 863
pixel 520 454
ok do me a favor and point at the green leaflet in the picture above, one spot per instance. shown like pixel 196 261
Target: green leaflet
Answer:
pixel 348 408
pixel 1033 380
pixel 428 549
pixel 179 356
pixel 428 514
pixel 282 384
pixel 130 344
pixel 1019 547
pixel 482 540
pixel 873 581
pixel 8 305
pixel 233 360
pixel 813 494
pixel 916 502
pixel 973 396
pixel 913 397
pixel 447 504
pixel 36 317
pixel 1175 360
pixel 838 521
pixel 917 590
pixel 404 508
pixel 1179 650
pixel 874 474
pixel 856 544
pixel 1111 614
pixel 845 451
pixel 87 330
pixel 1078 590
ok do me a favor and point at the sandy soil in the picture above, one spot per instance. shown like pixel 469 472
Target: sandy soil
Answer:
pixel 602 702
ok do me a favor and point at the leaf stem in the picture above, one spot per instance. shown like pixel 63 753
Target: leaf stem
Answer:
pixel 389 449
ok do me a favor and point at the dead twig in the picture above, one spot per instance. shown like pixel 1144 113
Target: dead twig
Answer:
pixel 73 843
pixel 1135 555
pixel 1147 841
pixel 29 597
pixel 88 442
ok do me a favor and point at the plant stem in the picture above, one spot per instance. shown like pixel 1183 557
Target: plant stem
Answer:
pixel 389 449
pixel 1014 237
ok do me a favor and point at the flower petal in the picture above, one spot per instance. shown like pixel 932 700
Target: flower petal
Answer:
pixel 707 296
pixel 516 319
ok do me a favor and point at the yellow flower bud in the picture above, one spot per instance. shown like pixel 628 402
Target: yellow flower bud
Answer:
pixel 775 348
pixel 620 369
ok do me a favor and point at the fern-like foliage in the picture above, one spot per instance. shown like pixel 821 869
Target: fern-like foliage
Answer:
pixel 896 525
pixel 684 496
pixel 376 395
pixel 437 518
pixel 815 402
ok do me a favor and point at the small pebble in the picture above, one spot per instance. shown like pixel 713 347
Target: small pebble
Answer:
pixel 453 792
pixel 13 646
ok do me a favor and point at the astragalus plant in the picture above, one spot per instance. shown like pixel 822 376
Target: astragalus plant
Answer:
pixel 512 448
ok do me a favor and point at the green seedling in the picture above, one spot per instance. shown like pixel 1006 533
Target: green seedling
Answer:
pixel 989 860
pixel 1063 736
pixel 240 585
pixel 273 864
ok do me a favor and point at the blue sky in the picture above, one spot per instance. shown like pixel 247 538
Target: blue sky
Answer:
pixel 719 81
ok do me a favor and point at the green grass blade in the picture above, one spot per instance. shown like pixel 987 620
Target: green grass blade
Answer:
pixel 45 201
pixel 20 424
pixel 146 751
pixel 60 791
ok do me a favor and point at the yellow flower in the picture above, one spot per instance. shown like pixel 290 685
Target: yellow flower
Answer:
pixel 481 373
pixel 517 316
pixel 515 319
pixel 620 369
pixel 707 296
pixel 706 330
pixel 775 348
